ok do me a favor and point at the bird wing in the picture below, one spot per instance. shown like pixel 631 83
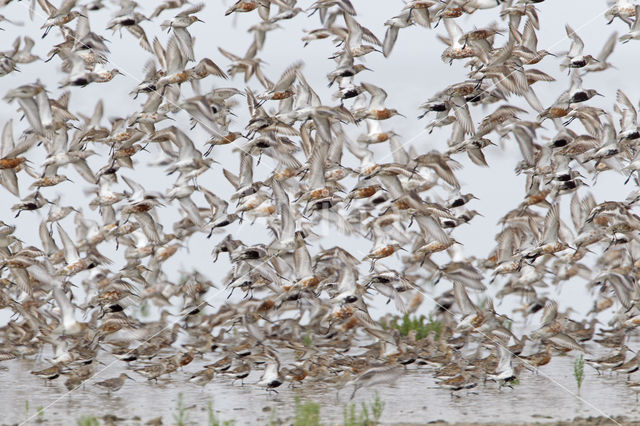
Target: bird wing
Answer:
pixel 288 77
pixel 454 31
pixel 629 114
pixel 550 313
pixel 287 222
pixel 70 251
pixel 529 38
pixel 302 261
pixel 378 95
pixel 608 47
pixel 551 225
pixel 191 10
pixel 7 142
pixel 577 45
pixel 462 299
pixel 66 308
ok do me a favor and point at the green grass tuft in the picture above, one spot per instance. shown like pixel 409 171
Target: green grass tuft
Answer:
pixel 377 407
pixel 307 414
pixel 374 408
pixel 88 421
pixel 307 340
pixel 578 371
pixel 181 416
pixel 349 415
pixel 40 411
pixel 145 309
pixel 420 324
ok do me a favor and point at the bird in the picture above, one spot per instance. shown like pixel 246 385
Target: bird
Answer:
pixel 114 384
pixel 634 31
pixel 576 57
pixel 272 377
pixel 374 375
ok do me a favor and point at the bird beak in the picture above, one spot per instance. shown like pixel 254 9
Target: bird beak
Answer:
pixel 130 377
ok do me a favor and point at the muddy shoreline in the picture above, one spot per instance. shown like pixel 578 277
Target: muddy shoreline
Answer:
pixel 415 399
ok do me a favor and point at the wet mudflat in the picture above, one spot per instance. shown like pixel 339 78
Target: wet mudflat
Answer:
pixel 547 397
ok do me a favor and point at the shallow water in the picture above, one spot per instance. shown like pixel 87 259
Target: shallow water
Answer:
pixel 414 398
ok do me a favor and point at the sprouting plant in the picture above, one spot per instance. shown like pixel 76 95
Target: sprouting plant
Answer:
pixel 377 407
pixel 307 414
pixel 578 371
pixel 40 412
pixel 144 309
pixel 364 415
pixel 181 415
pixel 26 407
pixel 514 382
pixel 349 415
pixel 273 417
pixel 307 340
pixel 88 421
pixel 374 408
pixel 383 323
pixel 419 324
pixel 213 420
